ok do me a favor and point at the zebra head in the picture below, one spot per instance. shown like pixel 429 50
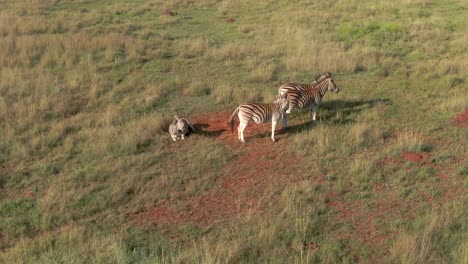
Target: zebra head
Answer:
pixel 181 126
pixel 332 87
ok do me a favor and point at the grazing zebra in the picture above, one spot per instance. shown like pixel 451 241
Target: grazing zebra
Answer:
pixel 259 113
pixel 308 95
pixel 180 127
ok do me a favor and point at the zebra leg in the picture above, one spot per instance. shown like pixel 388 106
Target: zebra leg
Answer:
pixel 273 126
pixel 310 117
pixel 314 114
pixel 285 121
pixel 241 128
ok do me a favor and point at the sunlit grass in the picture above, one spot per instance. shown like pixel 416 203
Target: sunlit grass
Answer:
pixel 88 89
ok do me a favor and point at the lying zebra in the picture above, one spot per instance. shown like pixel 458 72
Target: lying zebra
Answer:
pixel 180 127
pixel 259 113
pixel 307 95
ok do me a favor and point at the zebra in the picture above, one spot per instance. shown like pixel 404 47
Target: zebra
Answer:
pixel 180 127
pixel 259 113
pixel 307 95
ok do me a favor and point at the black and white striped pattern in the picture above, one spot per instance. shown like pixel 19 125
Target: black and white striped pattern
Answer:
pixel 259 113
pixel 308 95
pixel 321 77
pixel 180 127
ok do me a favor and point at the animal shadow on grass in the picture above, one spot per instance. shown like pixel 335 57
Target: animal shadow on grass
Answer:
pixel 327 113
pixel 201 129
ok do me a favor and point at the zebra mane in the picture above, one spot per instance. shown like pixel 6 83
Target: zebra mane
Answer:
pixel 322 77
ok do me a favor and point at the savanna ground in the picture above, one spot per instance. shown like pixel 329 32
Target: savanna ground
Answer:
pixel 88 172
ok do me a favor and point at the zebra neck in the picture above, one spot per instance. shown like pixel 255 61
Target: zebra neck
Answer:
pixel 323 87
pixel 276 109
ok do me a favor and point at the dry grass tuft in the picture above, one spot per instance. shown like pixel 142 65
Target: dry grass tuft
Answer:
pixel 226 94
pixel 231 51
pixel 194 47
pixel 427 244
pixel 409 141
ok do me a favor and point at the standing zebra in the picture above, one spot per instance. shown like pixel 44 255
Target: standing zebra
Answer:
pixel 307 95
pixel 259 113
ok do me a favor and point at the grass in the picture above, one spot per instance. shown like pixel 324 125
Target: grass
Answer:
pixel 88 88
pixel 431 242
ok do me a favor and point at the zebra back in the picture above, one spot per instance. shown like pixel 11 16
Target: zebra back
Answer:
pixel 260 112
pixel 302 94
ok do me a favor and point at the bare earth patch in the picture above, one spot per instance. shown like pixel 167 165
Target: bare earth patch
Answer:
pixel 462 119
pixel 168 13
pixel 243 182
pixel 249 178
pixel 415 156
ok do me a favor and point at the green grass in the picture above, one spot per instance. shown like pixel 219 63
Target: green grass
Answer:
pixel 88 88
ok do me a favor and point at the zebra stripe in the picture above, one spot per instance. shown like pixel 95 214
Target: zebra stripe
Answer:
pixel 308 95
pixel 291 87
pixel 259 113
pixel 180 127
pixel 321 77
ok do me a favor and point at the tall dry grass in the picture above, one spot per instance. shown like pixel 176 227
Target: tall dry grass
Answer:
pixel 441 239
pixel 87 90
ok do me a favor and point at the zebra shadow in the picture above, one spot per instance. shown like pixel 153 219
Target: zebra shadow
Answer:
pixel 201 129
pixel 334 112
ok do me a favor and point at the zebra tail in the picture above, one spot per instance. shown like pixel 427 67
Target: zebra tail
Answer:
pixel 231 119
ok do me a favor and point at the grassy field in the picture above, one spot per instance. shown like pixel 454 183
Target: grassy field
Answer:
pixel 89 174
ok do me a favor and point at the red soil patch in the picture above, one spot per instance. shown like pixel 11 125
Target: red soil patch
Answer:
pixel 241 184
pixel 388 161
pixel 362 219
pixel 462 119
pixel 217 125
pixel 168 13
pixel 17 194
pixel 415 157
pixel 158 215
pixel 249 178
pixel 230 20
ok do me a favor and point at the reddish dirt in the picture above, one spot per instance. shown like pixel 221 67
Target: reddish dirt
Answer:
pixel 462 119
pixel 415 156
pixel 17 194
pixel 159 215
pixel 366 220
pixel 168 12
pixel 250 178
pixel 388 161
pixel 230 20
pixel 240 188
pixel 362 220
